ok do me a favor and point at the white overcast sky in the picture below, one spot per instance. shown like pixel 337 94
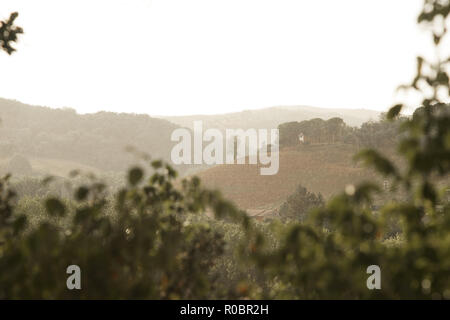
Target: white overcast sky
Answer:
pixel 176 57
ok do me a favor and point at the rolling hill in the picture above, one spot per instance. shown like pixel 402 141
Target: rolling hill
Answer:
pixel 272 117
pixel 54 139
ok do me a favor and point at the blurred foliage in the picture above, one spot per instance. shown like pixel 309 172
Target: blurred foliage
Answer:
pixel 9 33
pixel 139 244
pixel 152 240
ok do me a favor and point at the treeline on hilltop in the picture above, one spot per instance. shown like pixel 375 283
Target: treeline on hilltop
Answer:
pixel 318 131
pixel 97 140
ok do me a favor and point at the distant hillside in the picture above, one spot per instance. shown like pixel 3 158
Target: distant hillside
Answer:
pixel 99 140
pixel 93 140
pixel 317 154
pixel 324 168
pixel 272 117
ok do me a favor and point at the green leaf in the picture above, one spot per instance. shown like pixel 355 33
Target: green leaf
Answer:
pixel 428 192
pixel 364 190
pixel 394 111
pixel 55 207
pixel 157 164
pixel 20 223
pixel 135 176
pixel 171 172
pixel 81 193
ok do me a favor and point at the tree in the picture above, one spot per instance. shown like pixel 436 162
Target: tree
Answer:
pixel 335 127
pixel 300 203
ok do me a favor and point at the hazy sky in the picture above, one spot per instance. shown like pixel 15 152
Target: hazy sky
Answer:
pixel 174 57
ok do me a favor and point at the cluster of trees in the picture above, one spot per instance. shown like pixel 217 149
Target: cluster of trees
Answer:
pixel 298 204
pixel 370 134
pixel 314 131
pixel 150 239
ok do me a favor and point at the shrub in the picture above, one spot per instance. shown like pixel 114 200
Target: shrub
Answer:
pixel 300 203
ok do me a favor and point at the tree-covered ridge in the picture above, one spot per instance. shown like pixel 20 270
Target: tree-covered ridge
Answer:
pixel 97 140
pixel 335 130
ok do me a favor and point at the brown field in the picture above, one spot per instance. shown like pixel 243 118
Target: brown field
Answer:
pixel 320 168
